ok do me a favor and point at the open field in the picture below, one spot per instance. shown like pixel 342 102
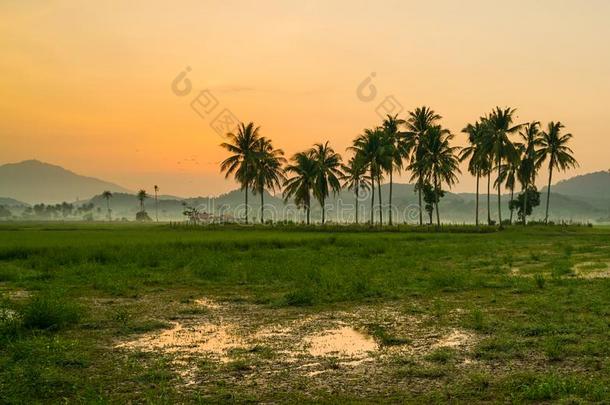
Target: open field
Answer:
pixel 116 313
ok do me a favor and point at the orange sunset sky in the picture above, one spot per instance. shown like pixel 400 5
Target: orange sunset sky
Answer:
pixel 87 84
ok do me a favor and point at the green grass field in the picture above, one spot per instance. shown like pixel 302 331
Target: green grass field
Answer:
pixel 521 315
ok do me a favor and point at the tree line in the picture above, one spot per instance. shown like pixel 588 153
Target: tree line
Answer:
pixel 497 149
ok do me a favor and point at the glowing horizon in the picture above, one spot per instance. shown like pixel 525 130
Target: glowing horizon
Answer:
pixel 88 87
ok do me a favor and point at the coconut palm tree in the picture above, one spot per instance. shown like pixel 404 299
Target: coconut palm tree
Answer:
pixel 418 123
pixel 355 179
pixel 440 161
pixel 242 146
pixel 141 197
pixel 156 203
pixel 499 143
pixel 475 152
pixel 304 171
pixel 328 172
pixel 508 176
pixel 108 195
pixel 268 171
pixel 530 142
pixel 553 146
pixel 399 149
pixel 372 149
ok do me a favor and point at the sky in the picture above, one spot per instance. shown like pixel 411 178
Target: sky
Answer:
pixel 95 86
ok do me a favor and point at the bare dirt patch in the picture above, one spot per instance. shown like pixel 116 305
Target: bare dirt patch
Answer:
pixel 592 270
pixel 342 341
pixel 240 336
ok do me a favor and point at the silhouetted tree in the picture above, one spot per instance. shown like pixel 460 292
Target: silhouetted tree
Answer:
pixel 243 146
pixel 107 195
pixel 355 179
pixel 268 171
pixel 303 181
pixel 418 123
pixel 553 146
pixel 328 172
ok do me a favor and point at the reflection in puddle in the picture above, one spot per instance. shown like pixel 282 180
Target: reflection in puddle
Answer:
pixel 343 341
pixel 201 338
pixel 455 339
pixel 207 303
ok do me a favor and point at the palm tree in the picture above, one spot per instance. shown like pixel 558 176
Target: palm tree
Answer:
pixel 328 172
pixel 141 197
pixel 355 179
pixel 508 176
pixel 500 145
pixel 108 195
pixel 440 161
pixel 243 146
pixel 417 124
pixel 304 170
pixel 530 137
pixel 268 171
pixel 475 152
pixel 553 146
pixel 156 203
pixel 372 149
pixel 398 150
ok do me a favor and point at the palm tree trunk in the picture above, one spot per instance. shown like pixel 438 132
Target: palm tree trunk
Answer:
pixel 499 196
pixel 390 199
pixel 356 205
pixel 308 207
pixel 488 198
pixel 477 204
pixel 323 211
pixel 372 198
pixel 421 214
pixel 262 205
pixel 548 193
pixel 438 215
pixel 108 208
pixel 247 202
pixel 380 204
pixel 525 205
pixel 156 207
pixel 512 195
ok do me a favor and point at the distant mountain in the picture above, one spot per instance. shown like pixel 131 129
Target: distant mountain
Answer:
pixel 595 185
pixel 11 202
pixel 33 181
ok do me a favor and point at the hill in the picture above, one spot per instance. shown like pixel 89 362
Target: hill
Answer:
pixel 33 181
pixel 11 203
pixel 595 185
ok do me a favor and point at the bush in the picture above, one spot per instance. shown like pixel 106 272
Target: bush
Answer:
pixel 50 312
pixel 300 298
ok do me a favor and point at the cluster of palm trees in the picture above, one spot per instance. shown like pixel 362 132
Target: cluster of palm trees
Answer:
pixel 418 144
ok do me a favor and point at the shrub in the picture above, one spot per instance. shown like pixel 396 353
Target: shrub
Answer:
pixel 300 298
pixel 50 312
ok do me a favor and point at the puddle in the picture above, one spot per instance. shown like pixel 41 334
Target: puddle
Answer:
pixel 207 303
pixel 455 339
pixel 343 341
pixel 592 270
pixel 309 345
pixel 201 338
